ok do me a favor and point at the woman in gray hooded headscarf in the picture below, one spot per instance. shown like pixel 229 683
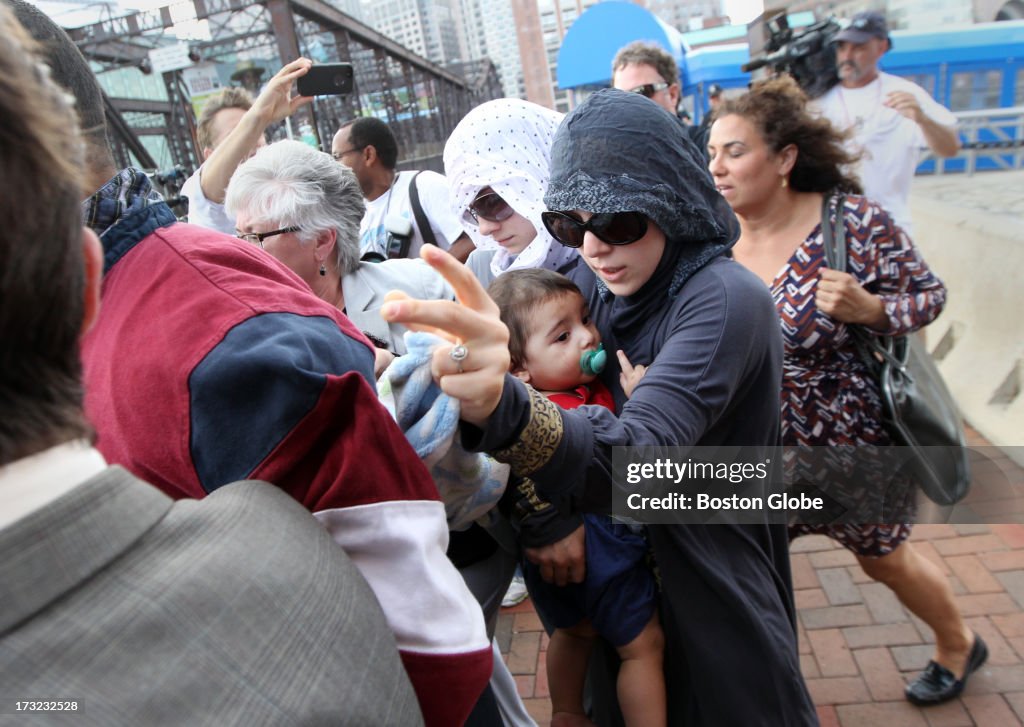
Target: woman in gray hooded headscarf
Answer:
pixel 635 196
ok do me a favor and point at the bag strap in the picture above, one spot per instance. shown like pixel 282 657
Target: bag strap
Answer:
pixel 834 233
pixel 421 219
pixel 871 347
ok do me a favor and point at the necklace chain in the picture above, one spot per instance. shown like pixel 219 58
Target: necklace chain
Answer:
pixel 858 123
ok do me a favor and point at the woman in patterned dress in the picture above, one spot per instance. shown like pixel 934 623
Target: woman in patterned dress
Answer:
pixel 774 163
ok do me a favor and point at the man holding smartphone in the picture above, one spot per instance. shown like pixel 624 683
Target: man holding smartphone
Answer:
pixel 231 129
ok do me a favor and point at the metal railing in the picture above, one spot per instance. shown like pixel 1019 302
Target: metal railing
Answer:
pixel 992 139
pixel 420 100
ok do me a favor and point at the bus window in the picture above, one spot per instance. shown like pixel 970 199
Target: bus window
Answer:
pixel 975 90
pixel 1018 95
pixel 924 80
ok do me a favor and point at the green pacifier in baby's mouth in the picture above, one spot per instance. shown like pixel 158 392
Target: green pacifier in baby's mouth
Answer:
pixel 592 362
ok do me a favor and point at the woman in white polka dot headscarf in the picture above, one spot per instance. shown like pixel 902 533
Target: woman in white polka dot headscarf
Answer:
pixel 497 162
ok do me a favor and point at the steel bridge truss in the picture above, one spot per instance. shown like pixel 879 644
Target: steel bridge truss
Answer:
pixel 420 100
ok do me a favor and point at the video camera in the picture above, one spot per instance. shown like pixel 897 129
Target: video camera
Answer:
pixel 170 181
pixel 809 55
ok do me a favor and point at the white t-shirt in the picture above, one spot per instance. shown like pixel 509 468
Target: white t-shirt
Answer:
pixel 433 192
pixel 202 211
pixel 890 142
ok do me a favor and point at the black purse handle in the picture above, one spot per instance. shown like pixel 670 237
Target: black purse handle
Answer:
pixel 421 218
pixel 834 233
pixel 872 347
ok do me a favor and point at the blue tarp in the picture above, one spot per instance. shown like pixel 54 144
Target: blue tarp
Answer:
pixel 585 58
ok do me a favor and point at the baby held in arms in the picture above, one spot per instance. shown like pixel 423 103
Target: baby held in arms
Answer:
pixel 556 348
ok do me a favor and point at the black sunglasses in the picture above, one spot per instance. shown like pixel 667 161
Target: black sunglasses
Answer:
pixel 649 89
pixel 615 228
pixel 490 207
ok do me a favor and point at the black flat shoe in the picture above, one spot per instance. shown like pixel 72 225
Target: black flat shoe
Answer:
pixel 937 683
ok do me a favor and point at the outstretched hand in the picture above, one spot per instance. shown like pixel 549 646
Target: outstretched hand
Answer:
pixel 276 102
pixel 272 105
pixel 473 322
pixel 630 375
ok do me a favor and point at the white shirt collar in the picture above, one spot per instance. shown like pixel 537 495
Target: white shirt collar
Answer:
pixel 31 483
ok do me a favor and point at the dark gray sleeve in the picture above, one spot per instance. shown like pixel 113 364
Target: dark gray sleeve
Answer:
pixel 699 376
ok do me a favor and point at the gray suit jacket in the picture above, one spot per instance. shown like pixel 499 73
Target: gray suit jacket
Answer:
pixel 364 292
pixel 236 610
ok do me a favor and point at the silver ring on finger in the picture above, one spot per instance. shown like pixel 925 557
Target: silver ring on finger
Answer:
pixel 458 354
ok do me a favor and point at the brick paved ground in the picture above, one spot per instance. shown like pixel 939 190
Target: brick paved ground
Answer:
pixel 858 646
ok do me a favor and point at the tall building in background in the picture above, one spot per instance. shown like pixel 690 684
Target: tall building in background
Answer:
pixel 426 27
pixel 501 43
pixel 472 28
pixel 487 29
pixel 540 27
pixel 521 37
pixel 351 7
pixel 447 40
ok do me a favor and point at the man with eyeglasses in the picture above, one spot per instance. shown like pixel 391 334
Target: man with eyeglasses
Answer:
pixel 403 209
pixel 890 118
pixel 649 70
pixel 232 127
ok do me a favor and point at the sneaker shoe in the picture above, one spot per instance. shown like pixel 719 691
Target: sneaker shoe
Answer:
pixel 516 593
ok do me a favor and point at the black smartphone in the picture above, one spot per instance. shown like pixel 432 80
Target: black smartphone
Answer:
pixel 326 79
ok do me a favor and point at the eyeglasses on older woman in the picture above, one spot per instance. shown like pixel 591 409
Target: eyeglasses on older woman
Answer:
pixel 257 238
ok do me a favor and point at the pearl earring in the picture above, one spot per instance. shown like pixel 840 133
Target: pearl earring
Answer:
pixel 785 182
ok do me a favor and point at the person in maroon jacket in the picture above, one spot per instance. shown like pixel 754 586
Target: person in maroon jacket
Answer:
pixel 211 362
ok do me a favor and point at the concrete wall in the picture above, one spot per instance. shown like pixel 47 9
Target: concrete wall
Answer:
pixel 971 232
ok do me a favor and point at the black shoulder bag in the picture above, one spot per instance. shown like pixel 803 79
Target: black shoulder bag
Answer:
pixel 917 409
pixel 398 245
pixel 420 216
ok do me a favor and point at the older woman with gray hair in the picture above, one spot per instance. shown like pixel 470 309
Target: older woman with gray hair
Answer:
pixel 304 208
